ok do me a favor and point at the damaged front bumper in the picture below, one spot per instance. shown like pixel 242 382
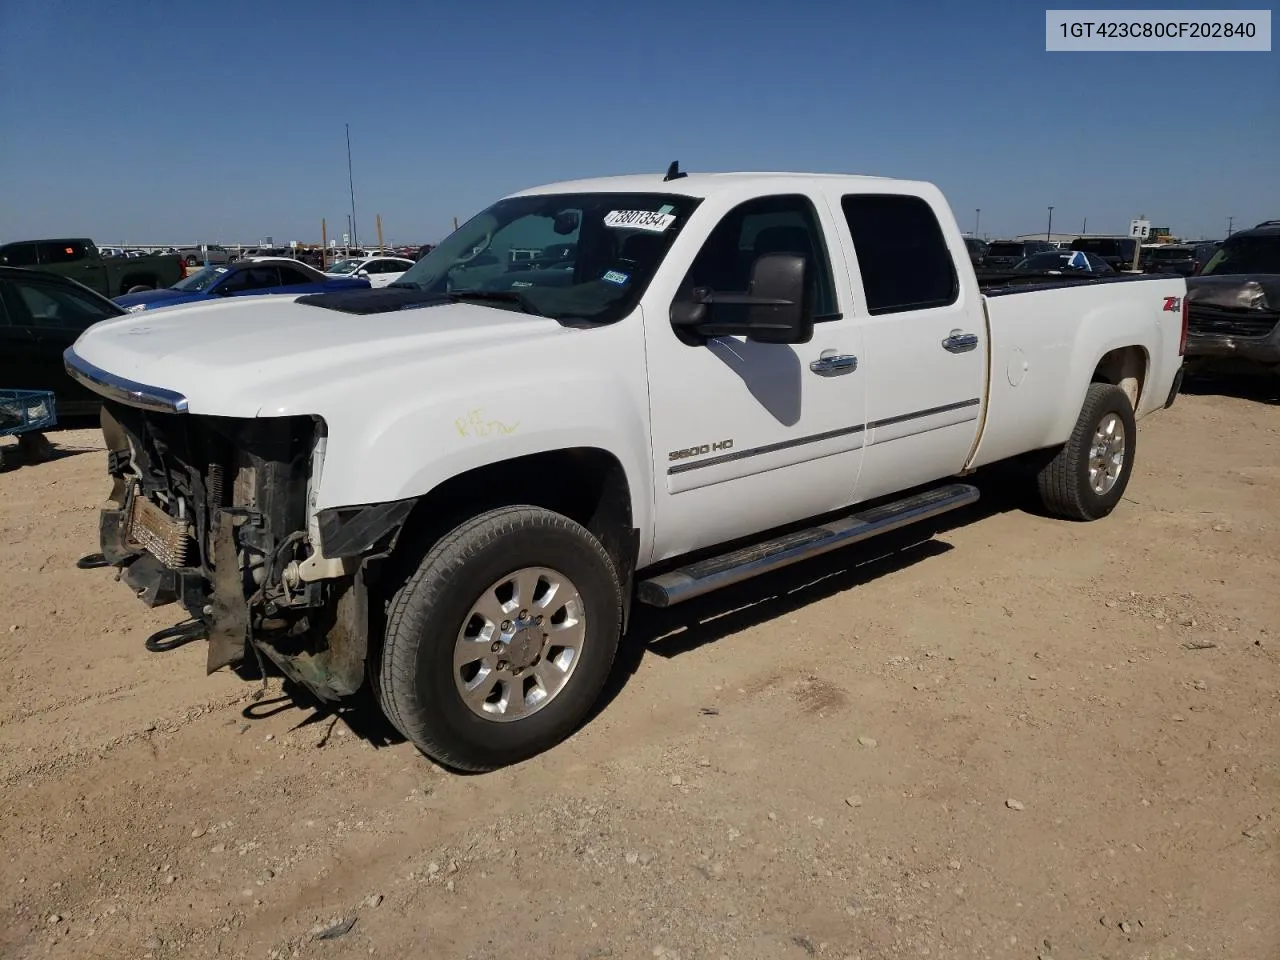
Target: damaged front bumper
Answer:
pixel 215 514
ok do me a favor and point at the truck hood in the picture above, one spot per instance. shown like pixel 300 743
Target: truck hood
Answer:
pixel 268 356
pixel 157 298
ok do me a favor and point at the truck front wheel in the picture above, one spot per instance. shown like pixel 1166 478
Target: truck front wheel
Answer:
pixel 498 645
pixel 1087 477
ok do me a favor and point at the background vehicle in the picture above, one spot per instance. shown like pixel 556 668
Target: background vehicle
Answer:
pixel 41 315
pixel 1117 251
pixel 244 277
pixel 79 259
pixel 211 253
pixel 1234 321
pixel 1063 261
pixel 379 271
pixel 977 250
pixel 1005 254
pixel 629 389
pixel 1187 259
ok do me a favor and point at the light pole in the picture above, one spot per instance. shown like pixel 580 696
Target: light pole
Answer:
pixel 1230 221
pixel 977 222
pixel 351 184
pixel 1084 226
pixel 1049 232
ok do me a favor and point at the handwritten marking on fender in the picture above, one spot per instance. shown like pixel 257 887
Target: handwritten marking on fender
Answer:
pixel 476 424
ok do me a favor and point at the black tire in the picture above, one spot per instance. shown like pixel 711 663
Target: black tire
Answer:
pixel 415 682
pixel 1064 483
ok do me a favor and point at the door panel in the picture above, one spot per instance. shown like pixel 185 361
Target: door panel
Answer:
pixel 52 316
pixel 19 353
pixel 749 436
pixel 925 340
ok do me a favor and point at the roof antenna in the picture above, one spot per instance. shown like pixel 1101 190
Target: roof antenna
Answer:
pixel 674 172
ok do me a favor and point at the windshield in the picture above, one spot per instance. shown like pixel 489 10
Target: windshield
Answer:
pixel 1245 255
pixel 586 256
pixel 344 266
pixel 201 280
pixel 1005 250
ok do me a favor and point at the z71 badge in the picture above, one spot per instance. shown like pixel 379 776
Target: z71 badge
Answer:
pixel 700 450
pixel 1172 304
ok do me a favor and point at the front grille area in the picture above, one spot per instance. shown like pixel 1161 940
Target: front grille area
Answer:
pixel 187 473
pixel 1222 321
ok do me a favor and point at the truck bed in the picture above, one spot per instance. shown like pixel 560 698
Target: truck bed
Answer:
pixel 1025 407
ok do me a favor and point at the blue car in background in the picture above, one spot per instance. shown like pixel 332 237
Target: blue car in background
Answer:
pixel 242 278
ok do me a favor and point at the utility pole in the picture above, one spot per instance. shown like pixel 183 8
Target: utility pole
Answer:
pixel 977 222
pixel 351 184
pixel 1230 221
pixel 1137 247
pixel 1084 226
pixel 1049 231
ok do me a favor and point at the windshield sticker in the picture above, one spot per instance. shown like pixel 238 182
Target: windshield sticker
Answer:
pixel 640 220
pixel 219 269
pixel 613 276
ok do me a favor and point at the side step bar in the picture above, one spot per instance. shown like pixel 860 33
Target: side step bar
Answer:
pixel 704 576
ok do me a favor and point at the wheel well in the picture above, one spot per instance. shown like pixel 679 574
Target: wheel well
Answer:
pixel 586 484
pixel 1126 368
pixel 134 279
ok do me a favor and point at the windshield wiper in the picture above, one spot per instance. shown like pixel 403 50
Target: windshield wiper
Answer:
pixel 498 296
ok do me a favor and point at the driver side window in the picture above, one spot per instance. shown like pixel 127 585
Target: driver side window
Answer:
pixel 251 278
pixel 778 224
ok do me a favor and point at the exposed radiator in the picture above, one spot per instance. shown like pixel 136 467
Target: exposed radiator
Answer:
pixel 161 535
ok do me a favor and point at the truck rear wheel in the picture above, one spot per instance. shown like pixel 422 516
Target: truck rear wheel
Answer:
pixel 1087 477
pixel 498 645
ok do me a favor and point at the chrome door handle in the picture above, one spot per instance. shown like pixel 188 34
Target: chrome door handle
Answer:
pixel 831 362
pixel 960 342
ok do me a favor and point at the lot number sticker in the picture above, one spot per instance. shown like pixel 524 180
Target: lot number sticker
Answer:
pixel 640 220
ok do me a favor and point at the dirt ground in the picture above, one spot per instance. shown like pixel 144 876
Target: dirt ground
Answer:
pixel 1018 738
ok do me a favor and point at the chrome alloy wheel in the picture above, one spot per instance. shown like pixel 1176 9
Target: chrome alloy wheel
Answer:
pixel 1106 454
pixel 519 644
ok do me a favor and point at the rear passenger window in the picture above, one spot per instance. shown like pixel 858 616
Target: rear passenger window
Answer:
pixel 61 251
pixel 902 255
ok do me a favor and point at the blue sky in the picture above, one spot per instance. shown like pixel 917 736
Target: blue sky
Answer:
pixel 138 121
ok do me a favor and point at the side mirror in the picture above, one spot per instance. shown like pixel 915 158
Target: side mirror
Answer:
pixel 777 305
pixel 362 273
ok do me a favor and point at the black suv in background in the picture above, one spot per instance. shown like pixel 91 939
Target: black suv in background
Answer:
pixel 977 250
pixel 41 314
pixel 1005 254
pixel 1234 304
pixel 1117 251
pixel 1187 259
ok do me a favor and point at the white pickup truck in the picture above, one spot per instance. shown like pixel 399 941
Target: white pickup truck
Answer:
pixel 637 387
